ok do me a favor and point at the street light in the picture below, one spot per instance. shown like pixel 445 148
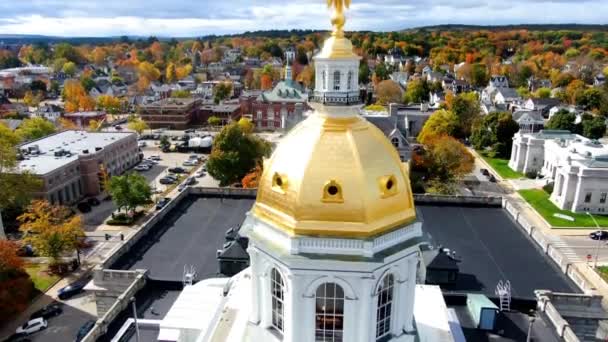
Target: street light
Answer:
pixel 599 239
pixel 135 319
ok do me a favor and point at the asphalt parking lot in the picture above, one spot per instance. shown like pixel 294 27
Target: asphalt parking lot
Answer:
pixel 492 248
pixel 189 235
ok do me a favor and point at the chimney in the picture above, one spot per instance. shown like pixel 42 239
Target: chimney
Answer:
pixel 424 107
pixel 393 108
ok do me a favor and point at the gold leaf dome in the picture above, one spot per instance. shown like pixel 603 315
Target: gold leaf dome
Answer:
pixel 335 176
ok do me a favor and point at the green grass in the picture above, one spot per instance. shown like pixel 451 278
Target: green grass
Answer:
pixel 42 280
pixel 539 200
pixel 603 272
pixel 501 166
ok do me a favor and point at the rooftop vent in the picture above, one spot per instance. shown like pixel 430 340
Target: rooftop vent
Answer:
pixel 98 149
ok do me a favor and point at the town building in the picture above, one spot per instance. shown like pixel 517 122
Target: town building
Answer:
pixel 73 164
pixel 172 113
pixel 334 240
pixel 15 81
pixel 529 121
pixel 83 119
pixel 577 166
pixel 279 108
pixel 226 112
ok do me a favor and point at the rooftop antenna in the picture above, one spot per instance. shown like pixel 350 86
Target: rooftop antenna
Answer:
pixel 503 291
pixel 189 275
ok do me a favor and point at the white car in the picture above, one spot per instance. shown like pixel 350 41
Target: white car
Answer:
pixel 150 161
pixel 141 144
pixel 190 163
pixel 199 174
pixel 142 167
pixel 32 326
pixel 154 157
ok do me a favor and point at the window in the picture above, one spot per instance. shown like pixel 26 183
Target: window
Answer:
pixel 350 80
pixel 324 80
pixel 336 80
pixel 395 142
pixel 588 197
pixel 603 197
pixel 329 313
pixel 385 306
pixel 277 289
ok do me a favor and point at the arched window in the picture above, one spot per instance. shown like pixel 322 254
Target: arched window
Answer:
pixel 336 80
pixel 277 290
pixel 329 313
pixel 385 307
pixel 350 80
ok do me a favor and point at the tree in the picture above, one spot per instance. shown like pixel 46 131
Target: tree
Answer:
pixel 94 126
pixel 170 73
pixel 495 130
pixel 381 72
pixel 593 127
pixel 16 287
pixel 35 128
pixel 252 179
pixel 562 120
pixel 442 122
pixel 388 92
pixel 234 154
pixel 575 90
pixel 590 99
pixel 214 121
pixel 181 94
pixel 417 92
pixel 446 161
pixel 466 107
pixel 543 93
pixel 138 125
pixel 222 91
pixel 130 191
pixel 66 124
pixel 364 72
pixel 246 125
pixel 31 100
pixel 69 68
pixel 51 230
pixel 307 76
pixel 164 142
pixel 110 104
pixel 479 75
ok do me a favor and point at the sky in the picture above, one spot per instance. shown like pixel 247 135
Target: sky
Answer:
pixel 189 18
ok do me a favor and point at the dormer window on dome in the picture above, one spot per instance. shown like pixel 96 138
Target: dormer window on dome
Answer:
pixel 279 182
pixel 388 186
pixel 332 192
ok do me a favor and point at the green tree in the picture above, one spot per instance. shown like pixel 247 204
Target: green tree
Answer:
pixel 69 68
pixel 51 230
pixel 214 121
pixel 222 92
pixel 442 122
pixel 35 128
pixel 181 94
pixel 87 83
pixel 364 72
pixel 164 142
pixel 235 154
pixel 562 120
pixel 466 107
pixel 495 130
pixel 130 191
pixel 138 125
pixel 417 92
pixel 381 72
pixel 479 75
pixel 593 127
pixel 591 99
pixel 543 93
pixel 246 125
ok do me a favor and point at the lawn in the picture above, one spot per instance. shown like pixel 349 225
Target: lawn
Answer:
pixel 42 280
pixel 539 200
pixel 501 166
pixel 603 272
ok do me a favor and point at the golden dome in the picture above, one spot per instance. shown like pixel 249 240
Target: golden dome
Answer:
pixel 335 176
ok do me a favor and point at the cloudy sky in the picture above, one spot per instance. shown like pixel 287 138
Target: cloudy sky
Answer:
pixel 202 17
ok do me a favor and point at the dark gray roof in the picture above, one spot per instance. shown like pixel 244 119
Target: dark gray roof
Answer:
pixel 508 92
pixel 528 115
pixel 549 102
pixel 385 123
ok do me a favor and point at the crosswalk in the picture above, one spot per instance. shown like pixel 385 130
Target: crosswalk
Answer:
pixel 565 249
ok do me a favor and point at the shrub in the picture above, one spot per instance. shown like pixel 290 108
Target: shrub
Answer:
pixel 549 188
pixel 532 174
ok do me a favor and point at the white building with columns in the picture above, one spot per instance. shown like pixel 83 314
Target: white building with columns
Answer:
pixel 333 239
pixel 577 166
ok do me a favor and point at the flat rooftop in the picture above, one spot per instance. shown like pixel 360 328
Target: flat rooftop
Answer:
pixel 190 235
pixel 492 248
pixel 73 141
pixel 491 245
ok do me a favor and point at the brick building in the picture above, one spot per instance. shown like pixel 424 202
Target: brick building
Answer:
pixel 83 119
pixel 71 164
pixel 172 113
pixel 225 111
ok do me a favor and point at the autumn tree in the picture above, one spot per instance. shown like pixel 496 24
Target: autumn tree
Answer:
pixel 307 76
pixel 222 91
pixel 234 154
pixel 181 94
pixel 442 122
pixel 246 125
pixel 138 125
pixel 170 73
pixel 69 68
pixel 51 230
pixel 417 91
pixel 214 121
pixel 32 99
pixel 94 126
pixel 66 124
pixel 466 108
pixel 252 179
pixel 76 98
pixel 16 287
pixel 388 92
pixel 110 104
pixel 35 128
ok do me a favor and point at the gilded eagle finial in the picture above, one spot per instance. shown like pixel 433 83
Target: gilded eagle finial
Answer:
pixel 338 19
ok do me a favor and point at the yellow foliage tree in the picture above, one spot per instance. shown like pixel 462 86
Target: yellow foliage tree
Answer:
pixel 246 125
pixel 66 124
pixel 138 125
pixel 170 73
pixel 388 92
pixel 183 71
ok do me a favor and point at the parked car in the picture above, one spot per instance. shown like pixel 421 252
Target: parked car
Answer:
pixel 177 170
pixel 181 187
pixel 71 290
pixel 142 144
pixel 93 201
pixel 193 157
pixel 492 179
pixel 167 180
pixel 32 326
pixel 26 251
pixel 199 174
pixel 190 181
pixel 142 167
pixel 150 161
pixel 155 157
pixel 190 163
pixel 83 207
pixel 599 235
pixel 84 330
pixel 485 172
pixel 162 203
pixel 118 127
pixel 51 310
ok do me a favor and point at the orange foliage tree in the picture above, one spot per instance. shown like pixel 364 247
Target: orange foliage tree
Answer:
pixel 16 287
pixel 252 179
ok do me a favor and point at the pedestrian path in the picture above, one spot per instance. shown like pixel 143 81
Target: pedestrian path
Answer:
pixel 557 242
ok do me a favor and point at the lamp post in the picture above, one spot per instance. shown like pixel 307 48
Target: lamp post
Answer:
pixel 599 239
pixel 135 319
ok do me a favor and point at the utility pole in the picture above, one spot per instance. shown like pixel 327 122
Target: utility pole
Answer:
pixel 135 319
pixel 599 239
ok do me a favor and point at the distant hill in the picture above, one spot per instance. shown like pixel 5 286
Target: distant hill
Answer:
pixel 529 27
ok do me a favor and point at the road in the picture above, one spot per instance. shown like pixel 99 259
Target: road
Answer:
pixel 577 248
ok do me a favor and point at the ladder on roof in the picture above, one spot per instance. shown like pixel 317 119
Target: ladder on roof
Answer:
pixel 189 275
pixel 503 291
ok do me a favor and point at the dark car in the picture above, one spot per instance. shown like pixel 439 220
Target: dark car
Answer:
pixel 189 130
pixel 162 202
pixel 84 207
pixel 485 172
pixel 492 179
pixel 167 180
pixel 26 251
pixel 599 235
pixel 71 290
pixel 93 201
pixel 177 170
pixel 84 330
pixel 48 311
